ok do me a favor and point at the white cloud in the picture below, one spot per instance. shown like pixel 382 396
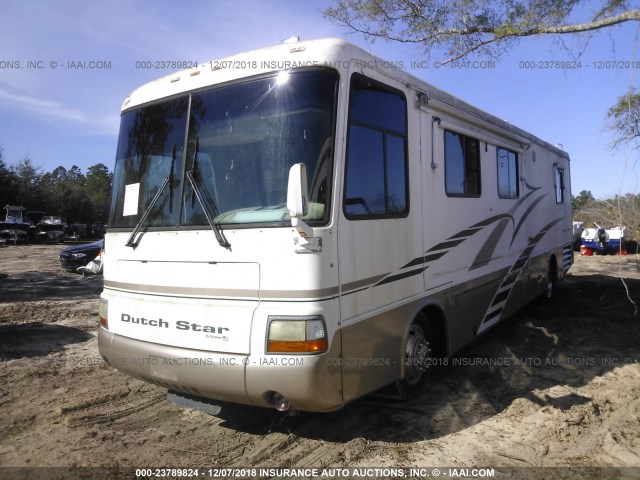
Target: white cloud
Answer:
pixel 49 108
pixel 53 110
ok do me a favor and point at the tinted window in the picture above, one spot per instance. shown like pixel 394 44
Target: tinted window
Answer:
pixel 559 184
pixel 150 148
pixel 244 138
pixel 378 108
pixel 507 173
pixel 376 176
pixel 365 172
pixel 462 164
pixel 241 141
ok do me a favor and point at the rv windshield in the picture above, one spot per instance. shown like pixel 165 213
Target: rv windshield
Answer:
pixel 241 141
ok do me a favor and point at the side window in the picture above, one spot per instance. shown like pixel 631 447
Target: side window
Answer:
pixel 559 183
pixel 507 173
pixel 461 165
pixel 376 167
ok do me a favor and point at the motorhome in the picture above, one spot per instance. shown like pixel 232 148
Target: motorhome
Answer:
pixel 299 226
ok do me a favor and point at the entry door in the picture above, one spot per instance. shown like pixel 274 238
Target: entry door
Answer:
pixel 379 230
pixel 534 215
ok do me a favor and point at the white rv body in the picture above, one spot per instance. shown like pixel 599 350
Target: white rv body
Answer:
pixel 454 247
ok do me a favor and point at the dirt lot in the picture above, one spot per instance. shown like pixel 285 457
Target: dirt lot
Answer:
pixel 556 385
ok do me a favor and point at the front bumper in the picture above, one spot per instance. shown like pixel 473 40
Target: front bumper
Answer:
pixel 309 382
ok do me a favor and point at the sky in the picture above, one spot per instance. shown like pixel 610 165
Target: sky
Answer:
pixel 60 115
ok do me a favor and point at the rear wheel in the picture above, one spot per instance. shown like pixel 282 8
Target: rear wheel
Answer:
pixel 552 278
pixel 417 358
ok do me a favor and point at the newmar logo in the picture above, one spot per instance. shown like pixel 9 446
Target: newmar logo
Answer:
pixel 180 325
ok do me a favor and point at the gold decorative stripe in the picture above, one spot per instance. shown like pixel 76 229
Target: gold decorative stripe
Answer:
pixel 251 294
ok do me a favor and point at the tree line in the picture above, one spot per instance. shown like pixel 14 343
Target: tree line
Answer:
pixel 69 193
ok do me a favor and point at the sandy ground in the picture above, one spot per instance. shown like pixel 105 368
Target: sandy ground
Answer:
pixel 556 385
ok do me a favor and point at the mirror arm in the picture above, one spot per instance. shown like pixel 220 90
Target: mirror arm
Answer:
pixel 303 229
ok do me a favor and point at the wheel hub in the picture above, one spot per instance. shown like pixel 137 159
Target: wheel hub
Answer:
pixel 417 355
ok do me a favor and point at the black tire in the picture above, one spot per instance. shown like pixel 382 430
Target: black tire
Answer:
pixel 418 353
pixel 552 279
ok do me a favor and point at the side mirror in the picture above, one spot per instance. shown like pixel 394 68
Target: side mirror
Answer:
pixel 298 198
pixel 297 192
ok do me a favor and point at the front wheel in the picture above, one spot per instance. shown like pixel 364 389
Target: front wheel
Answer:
pixel 417 358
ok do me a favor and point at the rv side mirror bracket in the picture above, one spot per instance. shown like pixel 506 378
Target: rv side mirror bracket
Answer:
pixel 298 199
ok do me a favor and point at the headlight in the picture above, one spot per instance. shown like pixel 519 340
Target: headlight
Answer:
pixel 296 335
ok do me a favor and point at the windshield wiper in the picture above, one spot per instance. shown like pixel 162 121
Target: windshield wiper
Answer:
pixel 201 200
pixel 167 181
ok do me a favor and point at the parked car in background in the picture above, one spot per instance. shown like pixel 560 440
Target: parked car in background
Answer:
pixel 79 255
